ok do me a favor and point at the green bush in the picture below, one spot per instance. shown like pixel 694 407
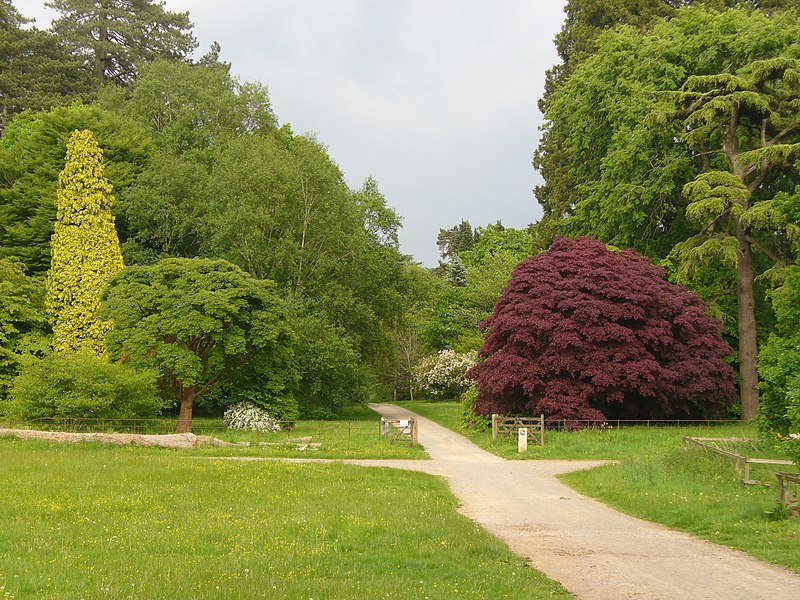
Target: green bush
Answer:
pixel 77 385
pixel 469 418
pixel 792 447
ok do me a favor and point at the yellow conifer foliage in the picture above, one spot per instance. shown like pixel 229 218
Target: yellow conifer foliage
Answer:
pixel 85 249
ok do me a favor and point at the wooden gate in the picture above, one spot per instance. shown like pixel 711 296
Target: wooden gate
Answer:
pixel 399 429
pixel 509 426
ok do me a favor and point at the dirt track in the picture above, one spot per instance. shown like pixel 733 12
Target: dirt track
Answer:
pixel 594 551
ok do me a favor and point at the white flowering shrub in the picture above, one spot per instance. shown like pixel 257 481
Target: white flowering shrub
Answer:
pixel 443 375
pixel 246 415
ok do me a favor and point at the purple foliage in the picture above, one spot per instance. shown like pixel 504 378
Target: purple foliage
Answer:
pixel 581 332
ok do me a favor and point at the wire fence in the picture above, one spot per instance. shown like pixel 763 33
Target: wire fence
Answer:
pixel 559 424
pixel 209 427
pixel 213 427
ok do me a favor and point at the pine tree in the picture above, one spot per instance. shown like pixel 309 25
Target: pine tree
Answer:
pixel 85 248
pixel 37 71
pixel 117 36
pixel 457 274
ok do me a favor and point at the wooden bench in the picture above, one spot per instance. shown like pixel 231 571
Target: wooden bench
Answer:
pixel 789 491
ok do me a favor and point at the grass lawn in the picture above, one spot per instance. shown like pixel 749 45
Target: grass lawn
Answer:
pixel 355 434
pixel 92 521
pixel 660 480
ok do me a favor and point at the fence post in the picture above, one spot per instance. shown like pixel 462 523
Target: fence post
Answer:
pixel 541 430
pixel 494 426
pixel 414 431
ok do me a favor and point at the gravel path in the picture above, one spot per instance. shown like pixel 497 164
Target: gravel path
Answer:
pixel 594 551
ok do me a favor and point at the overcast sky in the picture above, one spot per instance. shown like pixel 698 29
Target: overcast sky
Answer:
pixel 436 99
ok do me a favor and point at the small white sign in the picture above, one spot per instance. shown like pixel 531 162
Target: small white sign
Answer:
pixel 403 423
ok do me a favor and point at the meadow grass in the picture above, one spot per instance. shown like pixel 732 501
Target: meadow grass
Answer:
pixel 355 433
pixel 659 479
pixel 93 521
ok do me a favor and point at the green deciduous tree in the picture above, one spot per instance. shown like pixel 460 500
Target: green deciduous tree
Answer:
pixel 191 106
pixel 586 20
pixel 86 251
pixel 779 362
pixel 116 37
pixel 494 240
pixel 779 359
pixel 380 220
pixel 23 322
pixel 204 324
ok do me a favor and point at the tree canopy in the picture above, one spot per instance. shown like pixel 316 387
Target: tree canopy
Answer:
pixel 115 37
pixel 86 252
pixel 23 323
pixel 581 332
pixel 38 72
pixel 675 140
pixel 204 324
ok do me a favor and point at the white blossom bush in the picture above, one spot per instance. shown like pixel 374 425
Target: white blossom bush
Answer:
pixel 246 415
pixel 443 375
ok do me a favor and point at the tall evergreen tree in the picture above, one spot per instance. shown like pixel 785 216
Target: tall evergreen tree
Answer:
pixel 116 36
pixel 86 251
pixel 37 72
pixel 578 39
pixel 457 239
pixel 457 274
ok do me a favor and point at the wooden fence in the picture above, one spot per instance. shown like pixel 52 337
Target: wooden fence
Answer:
pixel 399 429
pixel 510 425
pixel 742 462
pixel 789 491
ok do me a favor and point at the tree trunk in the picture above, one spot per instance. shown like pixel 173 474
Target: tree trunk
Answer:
pixel 185 416
pixel 101 53
pixel 748 343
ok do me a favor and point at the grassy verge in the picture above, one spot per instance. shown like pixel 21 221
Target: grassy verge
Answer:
pixel 660 480
pixel 92 521
pixel 698 492
pixel 608 443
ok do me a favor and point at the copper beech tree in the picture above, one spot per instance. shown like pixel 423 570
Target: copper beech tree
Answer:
pixel 582 332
